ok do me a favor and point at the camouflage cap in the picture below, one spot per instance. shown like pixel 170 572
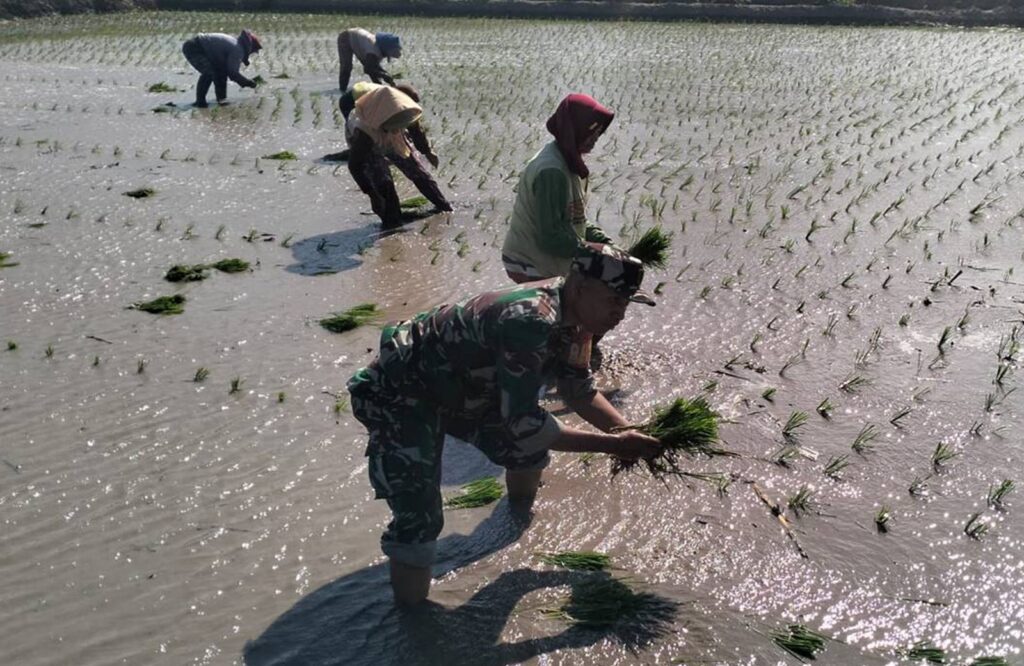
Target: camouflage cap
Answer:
pixel 615 267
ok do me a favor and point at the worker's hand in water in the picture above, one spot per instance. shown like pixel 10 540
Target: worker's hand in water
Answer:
pixel 634 444
pixel 433 159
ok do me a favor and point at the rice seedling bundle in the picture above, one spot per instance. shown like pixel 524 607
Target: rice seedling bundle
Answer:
pixel 259 80
pixel 161 87
pixel 164 305
pixel 799 641
pixel 652 247
pixel 683 426
pixel 990 661
pixel 607 602
pixel 413 202
pixel 186 273
pixel 997 493
pixel 231 265
pixel 140 193
pixel 476 493
pixel 578 560
pixel 4 256
pixel 341 322
pixel 281 155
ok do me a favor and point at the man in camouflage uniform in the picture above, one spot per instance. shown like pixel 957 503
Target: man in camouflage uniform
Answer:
pixel 475 370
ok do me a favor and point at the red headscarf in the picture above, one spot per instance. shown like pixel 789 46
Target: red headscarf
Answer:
pixel 575 119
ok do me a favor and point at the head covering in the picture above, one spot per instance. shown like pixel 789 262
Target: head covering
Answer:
pixel 352 95
pixel 389 44
pixel 250 44
pixel 615 267
pixel 383 113
pixel 575 119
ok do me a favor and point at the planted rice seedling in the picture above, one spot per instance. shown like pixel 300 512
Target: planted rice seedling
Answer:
pixel 354 317
pixel 768 393
pixel 835 466
pixel 863 443
pixel 579 560
pixel 201 375
pixel 140 366
pixel 163 305
pixel 976 526
pixel 799 641
pixel 919 486
pixel 795 421
pixel 990 661
pixel 854 384
pixel 11 345
pixel 476 493
pixel 140 193
pixel 883 518
pixel 825 408
pixel 652 247
pixel 281 155
pixel 943 453
pixel 48 352
pixel 996 494
pixel 802 500
pixel 900 414
pixel 689 426
pixel 236 385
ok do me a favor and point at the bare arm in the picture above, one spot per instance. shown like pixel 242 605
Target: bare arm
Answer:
pixel 597 411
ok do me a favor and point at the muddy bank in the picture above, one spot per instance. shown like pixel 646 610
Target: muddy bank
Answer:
pixel 858 12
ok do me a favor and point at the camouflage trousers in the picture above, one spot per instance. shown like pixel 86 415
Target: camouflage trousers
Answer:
pixel 406 438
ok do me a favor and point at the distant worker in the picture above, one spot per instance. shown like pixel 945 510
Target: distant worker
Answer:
pixel 549 221
pixel 218 57
pixel 474 370
pixel 382 126
pixel 370 49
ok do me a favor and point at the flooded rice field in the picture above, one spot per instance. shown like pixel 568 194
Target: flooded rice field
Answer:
pixel 847 213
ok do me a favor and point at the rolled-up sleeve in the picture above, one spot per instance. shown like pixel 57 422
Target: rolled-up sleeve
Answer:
pixel 520 378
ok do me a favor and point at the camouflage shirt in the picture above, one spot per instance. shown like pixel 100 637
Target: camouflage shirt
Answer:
pixel 486 359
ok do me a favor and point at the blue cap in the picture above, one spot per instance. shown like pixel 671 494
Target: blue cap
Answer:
pixel 389 44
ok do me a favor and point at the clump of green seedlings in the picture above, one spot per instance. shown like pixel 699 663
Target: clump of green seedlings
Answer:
pixel 476 493
pixel 230 265
pixel 996 494
pixel 4 263
pixel 577 560
pixel 140 193
pixel 281 155
pixel 689 426
pixel 161 87
pixel 652 247
pixel 602 603
pixel 825 408
pixel 259 80
pixel 163 305
pixel 341 322
pixel 186 273
pixel 11 345
pixel 799 641
pixel 413 202
pixel 925 651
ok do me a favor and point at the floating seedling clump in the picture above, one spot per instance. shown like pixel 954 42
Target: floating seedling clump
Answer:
pixel 684 426
pixel 4 263
pixel 281 155
pixel 231 265
pixel 341 322
pixel 578 560
pixel 799 641
pixel 186 273
pixel 140 193
pixel 164 305
pixel 652 247
pixel 259 80
pixel 476 493
pixel 161 87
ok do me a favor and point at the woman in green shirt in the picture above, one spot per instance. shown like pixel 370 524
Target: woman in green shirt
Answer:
pixel 549 221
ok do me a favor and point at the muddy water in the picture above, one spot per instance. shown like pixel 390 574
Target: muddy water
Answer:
pixel 822 183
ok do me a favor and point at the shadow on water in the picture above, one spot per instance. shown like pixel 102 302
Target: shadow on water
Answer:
pixel 353 620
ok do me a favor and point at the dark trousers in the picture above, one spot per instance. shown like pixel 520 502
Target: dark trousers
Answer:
pixel 208 73
pixel 412 167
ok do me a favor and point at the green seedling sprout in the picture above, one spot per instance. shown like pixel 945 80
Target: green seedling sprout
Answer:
pixel 4 263
pixel 835 466
pixel 976 526
pixel 164 305
pixel 802 501
pixel 236 385
pixel 943 454
pixel 825 408
pixel 996 494
pixel 883 518
pixel 925 651
pixel 201 375
pixel 476 494
pixel 863 442
pixel 795 421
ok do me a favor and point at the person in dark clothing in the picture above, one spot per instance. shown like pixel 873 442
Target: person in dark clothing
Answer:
pixel 219 57
pixel 383 128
